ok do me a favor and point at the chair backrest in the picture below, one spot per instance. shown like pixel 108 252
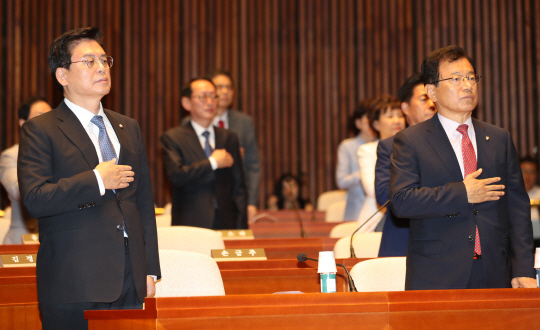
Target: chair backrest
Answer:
pixel 365 246
pixel 343 229
pixel 163 220
pixel 188 274
pixel 381 274
pixel 326 198
pixel 5 222
pixel 193 239
pixel 336 211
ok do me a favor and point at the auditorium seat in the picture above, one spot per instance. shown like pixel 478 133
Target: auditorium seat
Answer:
pixel 188 274
pixel 343 229
pixel 192 239
pixel 366 245
pixel 5 223
pixel 327 198
pixel 336 211
pixel 381 274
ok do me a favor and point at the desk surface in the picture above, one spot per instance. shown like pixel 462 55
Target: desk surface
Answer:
pixel 448 309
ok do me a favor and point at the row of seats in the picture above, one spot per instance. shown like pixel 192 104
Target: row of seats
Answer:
pixel 187 274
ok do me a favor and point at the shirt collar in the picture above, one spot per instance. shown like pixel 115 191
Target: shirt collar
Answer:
pixel 84 115
pixel 450 126
pixel 199 129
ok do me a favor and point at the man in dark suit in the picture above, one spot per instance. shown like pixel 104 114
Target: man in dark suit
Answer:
pixel 243 126
pixel 417 107
pixel 204 165
pixel 459 182
pixel 97 229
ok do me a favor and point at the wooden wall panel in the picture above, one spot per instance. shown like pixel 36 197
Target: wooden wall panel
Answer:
pixel 300 66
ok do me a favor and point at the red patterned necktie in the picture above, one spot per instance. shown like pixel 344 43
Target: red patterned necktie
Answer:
pixel 469 165
pixel 221 124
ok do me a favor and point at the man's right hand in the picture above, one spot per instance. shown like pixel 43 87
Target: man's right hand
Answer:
pixel 222 158
pixel 115 176
pixel 479 191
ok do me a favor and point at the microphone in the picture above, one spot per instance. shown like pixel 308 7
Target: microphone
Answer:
pixel 302 232
pixel 353 255
pixel 302 258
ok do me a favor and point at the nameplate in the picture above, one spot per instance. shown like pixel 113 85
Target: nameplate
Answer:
pixel 30 239
pixel 238 254
pixel 236 234
pixel 18 260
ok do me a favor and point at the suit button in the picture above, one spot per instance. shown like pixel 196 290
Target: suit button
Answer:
pixel 475 212
pixel 471 237
pixel 120 227
pixel 119 200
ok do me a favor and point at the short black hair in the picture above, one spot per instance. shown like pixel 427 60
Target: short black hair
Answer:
pixel 432 63
pixel 379 105
pixel 62 48
pixel 405 92
pixel 24 109
pixel 186 89
pixel 221 72
pixel 360 111
pixel 528 159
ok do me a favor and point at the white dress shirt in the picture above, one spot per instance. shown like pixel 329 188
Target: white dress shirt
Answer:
pixel 85 116
pixel 450 127
pixel 199 130
pixel 224 117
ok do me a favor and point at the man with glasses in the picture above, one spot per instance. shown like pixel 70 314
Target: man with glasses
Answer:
pixel 84 174
pixel 204 165
pixel 459 182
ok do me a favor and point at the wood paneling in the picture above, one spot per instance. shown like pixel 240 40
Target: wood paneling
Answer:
pixel 300 66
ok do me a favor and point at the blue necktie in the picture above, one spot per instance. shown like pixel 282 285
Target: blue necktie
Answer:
pixel 105 146
pixel 207 148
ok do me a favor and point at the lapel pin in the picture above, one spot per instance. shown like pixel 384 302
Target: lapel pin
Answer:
pixel 121 126
pixel 487 137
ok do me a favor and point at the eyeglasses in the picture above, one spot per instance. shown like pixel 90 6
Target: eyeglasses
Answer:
pixel 107 61
pixel 206 97
pixel 226 87
pixel 457 79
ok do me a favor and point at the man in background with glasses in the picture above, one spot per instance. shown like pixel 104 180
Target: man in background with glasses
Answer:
pixel 204 166
pixel 459 182
pixel 83 173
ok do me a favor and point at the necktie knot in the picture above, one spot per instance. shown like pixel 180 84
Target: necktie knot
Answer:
pixel 98 121
pixel 206 134
pixel 463 128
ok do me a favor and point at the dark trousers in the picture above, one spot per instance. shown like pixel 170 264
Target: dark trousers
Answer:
pixel 477 279
pixel 71 316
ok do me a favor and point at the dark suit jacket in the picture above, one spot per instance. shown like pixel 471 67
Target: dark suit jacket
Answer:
pixel 395 234
pixel 81 256
pixel 195 186
pixel 243 126
pixel 427 186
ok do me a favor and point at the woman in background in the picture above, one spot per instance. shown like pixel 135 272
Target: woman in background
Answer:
pixel 287 195
pixel 386 118
pixel 347 169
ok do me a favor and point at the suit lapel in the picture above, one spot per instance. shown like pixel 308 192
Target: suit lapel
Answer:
pixel 70 125
pixel 121 133
pixel 233 123
pixel 484 157
pixel 195 142
pixel 439 141
pixel 220 137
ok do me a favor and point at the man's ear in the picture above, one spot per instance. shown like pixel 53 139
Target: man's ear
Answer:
pixel 405 108
pixel 430 91
pixel 61 77
pixel 376 125
pixel 186 103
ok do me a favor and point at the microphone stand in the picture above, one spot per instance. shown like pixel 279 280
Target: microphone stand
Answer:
pixel 353 255
pixel 302 231
pixel 352 288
